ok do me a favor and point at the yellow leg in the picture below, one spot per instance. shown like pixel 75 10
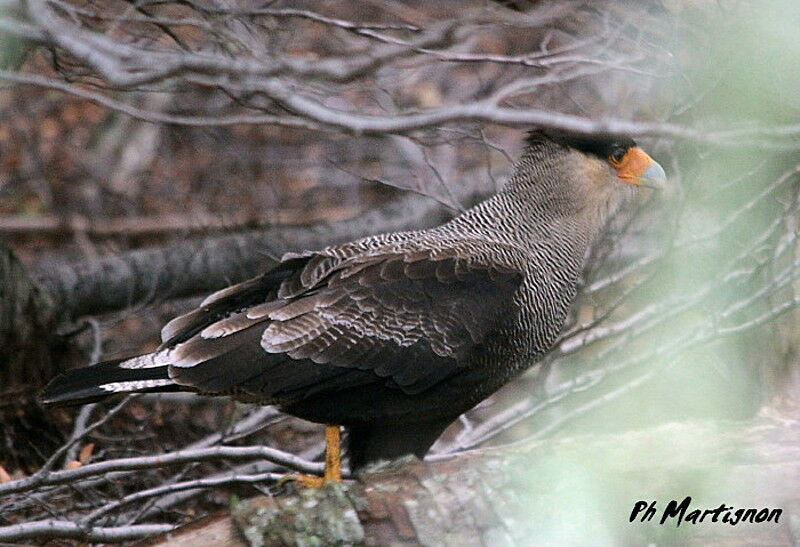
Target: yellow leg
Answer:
pixel 333 461
pixel 333 453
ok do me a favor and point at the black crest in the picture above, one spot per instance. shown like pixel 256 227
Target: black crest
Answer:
pixel 602 146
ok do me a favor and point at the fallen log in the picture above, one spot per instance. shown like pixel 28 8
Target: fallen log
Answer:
pixel 578 490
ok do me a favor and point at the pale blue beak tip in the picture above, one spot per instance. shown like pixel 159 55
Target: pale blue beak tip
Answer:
pixel 654 176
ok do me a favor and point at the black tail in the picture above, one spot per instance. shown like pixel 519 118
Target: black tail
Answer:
pixel 89 384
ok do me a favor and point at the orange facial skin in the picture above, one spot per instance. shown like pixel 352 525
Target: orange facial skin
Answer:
pixel 632 166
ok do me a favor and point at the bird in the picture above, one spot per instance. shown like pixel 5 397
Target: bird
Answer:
pixel 393 336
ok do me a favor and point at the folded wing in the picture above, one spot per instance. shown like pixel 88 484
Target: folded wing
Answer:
pixel 326 323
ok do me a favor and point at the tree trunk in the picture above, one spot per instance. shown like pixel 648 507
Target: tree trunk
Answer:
pixel 28 347
pixel 28 320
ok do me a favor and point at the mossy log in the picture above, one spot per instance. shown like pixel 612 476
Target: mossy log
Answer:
pixel 580 490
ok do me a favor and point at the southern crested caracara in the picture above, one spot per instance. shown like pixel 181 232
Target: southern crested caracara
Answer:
pixel 394 336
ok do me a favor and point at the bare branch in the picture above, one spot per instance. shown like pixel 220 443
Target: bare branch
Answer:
pixel 51 529
pixel 51 478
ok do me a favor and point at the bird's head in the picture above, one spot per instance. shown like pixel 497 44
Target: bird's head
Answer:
pixel 584 177
pixel 610 159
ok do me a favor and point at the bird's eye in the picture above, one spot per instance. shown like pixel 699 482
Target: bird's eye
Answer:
pixel 617 156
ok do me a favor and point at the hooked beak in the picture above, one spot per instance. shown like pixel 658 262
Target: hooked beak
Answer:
pixel 654 177
pixel 640 169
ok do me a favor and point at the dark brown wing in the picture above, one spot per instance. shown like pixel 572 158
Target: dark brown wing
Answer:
pixel 406 319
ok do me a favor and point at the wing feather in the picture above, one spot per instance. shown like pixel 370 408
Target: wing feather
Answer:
pixel 409 319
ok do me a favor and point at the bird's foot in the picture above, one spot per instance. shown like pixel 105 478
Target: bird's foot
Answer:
pixel 308 481
pixel 333 463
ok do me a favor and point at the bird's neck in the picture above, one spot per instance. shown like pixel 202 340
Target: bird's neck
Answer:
pixel 535 210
